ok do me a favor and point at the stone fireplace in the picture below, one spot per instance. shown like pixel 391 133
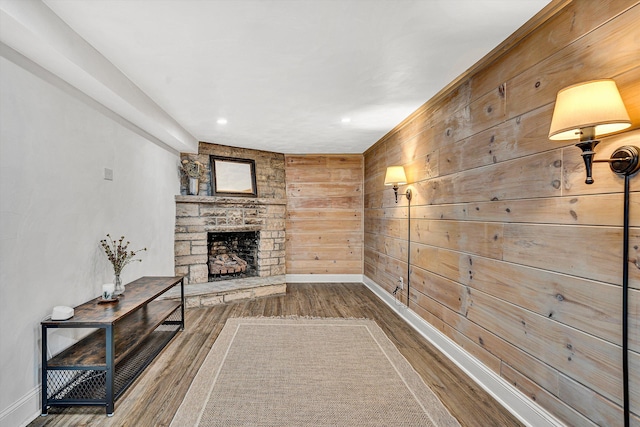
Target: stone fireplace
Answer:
pixel 211 230
pixel 199 218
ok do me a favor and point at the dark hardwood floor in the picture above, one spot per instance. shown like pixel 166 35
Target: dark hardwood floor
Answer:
pixel 155 397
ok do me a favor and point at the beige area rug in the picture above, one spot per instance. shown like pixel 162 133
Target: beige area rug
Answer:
pixel 308 372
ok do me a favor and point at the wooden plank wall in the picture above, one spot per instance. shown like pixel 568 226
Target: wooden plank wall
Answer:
pixel 513 256
pixel 324 214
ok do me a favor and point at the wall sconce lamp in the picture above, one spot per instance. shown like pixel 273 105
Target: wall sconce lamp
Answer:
pixel 589 109
pixel 584 111
pixel 395 176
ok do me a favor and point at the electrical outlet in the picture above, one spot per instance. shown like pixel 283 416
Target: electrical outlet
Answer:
pixel 108 174
pixel 401 283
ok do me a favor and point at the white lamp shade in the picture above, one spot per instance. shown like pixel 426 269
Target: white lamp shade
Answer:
pixel 595 104
pixel 395 176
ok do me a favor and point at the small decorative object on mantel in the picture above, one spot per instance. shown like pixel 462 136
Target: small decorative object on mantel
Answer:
pixel 119 256
pixel 195 172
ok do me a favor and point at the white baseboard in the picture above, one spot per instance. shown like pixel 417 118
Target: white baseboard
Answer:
pixel 324 278
pixel 22 412
pixel 523 408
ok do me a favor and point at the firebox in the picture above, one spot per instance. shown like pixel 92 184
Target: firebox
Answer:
pixel 232 254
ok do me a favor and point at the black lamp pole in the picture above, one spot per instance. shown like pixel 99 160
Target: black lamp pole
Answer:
pixel 625 161
pixel 408 194
pixel 625 291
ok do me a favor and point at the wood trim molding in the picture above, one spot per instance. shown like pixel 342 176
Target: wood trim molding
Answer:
pixel 324 278
pixel 548 12
pixel 22 412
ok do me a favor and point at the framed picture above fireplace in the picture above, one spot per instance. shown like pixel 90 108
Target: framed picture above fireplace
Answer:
pixel 233 177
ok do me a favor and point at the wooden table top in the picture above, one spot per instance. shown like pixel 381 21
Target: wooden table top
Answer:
pixel 137 293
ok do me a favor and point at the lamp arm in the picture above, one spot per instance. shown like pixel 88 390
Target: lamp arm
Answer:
pixel 621 159
pixel 407 194
pixel 624 161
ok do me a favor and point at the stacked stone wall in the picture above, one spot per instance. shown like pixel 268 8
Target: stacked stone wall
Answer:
pixel 270 168
pixel 196 216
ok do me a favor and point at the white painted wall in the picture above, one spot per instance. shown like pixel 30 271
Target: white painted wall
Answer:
pixel 55 206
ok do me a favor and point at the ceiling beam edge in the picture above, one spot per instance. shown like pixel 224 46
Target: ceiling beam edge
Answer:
pixel 35 31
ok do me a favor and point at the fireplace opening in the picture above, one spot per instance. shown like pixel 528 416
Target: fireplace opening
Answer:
pixel 232 255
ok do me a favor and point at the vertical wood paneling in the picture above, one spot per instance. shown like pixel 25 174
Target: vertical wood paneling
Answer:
pixel 513 256
pixel 324 214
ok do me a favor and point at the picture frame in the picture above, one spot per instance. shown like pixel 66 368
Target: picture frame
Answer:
pixel 233 177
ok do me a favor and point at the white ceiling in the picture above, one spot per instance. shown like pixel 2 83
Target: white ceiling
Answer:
pixel 285 73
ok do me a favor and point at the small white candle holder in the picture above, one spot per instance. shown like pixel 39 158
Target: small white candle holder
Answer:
pixel 107 291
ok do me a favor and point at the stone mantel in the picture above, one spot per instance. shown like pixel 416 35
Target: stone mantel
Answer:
pixel 216 200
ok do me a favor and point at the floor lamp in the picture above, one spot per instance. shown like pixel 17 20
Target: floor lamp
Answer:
pixel 584 111
pixel 396 176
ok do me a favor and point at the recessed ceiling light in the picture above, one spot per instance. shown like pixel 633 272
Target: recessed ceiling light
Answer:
pixel 346 120
pixel 222 121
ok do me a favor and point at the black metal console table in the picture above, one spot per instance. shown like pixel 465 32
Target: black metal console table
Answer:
pixel 129 334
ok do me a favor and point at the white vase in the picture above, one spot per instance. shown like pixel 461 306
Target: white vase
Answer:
pixel 194 186
pixel 119 286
